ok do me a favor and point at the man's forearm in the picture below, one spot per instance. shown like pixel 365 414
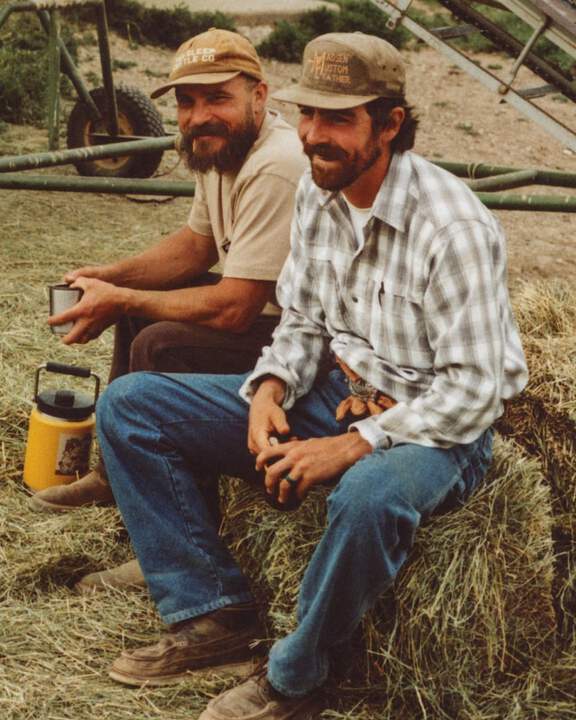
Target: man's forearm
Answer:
pixel 174 261
pixel 230 305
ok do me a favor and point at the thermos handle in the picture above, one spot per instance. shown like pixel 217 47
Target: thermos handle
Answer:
pixel 67 370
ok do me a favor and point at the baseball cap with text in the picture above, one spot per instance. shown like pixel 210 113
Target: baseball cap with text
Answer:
pixel 344 70
pixel 212 57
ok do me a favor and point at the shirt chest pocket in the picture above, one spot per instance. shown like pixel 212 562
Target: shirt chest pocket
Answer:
pixel 397 327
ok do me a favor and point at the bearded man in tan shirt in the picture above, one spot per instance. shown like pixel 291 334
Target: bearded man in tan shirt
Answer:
pixel 170 313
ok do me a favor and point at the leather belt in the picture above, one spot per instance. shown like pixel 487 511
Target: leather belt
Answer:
pixel 364 398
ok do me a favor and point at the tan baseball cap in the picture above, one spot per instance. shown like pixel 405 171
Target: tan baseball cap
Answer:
pixel 212 57
pixel 344 70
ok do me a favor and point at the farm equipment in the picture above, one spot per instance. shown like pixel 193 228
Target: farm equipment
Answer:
pixel 553 20
pixel 102 116
pixel 116 140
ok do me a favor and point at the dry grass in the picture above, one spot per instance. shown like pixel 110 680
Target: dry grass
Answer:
pixel 481 625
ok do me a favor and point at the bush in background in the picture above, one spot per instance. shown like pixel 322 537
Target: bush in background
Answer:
pixel 288 39
pixel 24 70
pixel 169 27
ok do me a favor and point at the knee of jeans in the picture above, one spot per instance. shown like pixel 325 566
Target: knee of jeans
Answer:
pixel 121 398
pixel 352 499
pixel 369 500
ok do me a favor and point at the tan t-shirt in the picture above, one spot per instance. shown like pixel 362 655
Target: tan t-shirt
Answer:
pixel 248 213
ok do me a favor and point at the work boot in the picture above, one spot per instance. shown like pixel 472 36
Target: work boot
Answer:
pixel 92 489
pixel 256 699
pixel 125 576
pixel 218 640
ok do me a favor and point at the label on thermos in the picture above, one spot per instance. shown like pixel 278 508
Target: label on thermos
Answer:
pixel 73 454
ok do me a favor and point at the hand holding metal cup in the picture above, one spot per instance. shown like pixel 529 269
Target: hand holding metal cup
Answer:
pixel 62 298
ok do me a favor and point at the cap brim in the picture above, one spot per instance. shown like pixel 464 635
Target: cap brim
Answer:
pixel 199 79
pixel 319 99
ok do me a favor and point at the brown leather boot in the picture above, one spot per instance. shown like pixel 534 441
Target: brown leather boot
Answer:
pixel 125 576
pixel 220 639
pixel 92 489
pixel 256 699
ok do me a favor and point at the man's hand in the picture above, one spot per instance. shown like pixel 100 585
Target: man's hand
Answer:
pixel 99 307
pixel 266 414
pixel 99 272
pixel 309 462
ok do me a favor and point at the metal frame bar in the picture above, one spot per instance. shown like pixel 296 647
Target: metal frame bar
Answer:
pixel 473 171
pixel 94 152
pixel 53 81
pixel 70 70
pixel 106 64
pixel 561 132
pixel 122 186
pixel 506 181
pixel 533 16
pixel 114 186
pixel 527 48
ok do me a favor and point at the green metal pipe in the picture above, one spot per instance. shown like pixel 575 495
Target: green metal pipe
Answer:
pixel 532 203
pixel 53 81
pixel 120 186
pixel 114 186
pixel 96 152
pixel 479 170
pixel 106 64
pixel 506 181
pixel 5 13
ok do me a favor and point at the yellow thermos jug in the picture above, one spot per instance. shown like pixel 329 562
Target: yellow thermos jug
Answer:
pixel 60 431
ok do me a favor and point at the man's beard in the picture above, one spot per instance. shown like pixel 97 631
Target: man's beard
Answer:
pixel 348 171
pixel 231 155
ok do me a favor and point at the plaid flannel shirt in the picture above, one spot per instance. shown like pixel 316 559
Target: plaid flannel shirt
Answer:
pixel 420 309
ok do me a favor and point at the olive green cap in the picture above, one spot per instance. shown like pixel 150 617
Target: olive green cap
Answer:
pixel 344 70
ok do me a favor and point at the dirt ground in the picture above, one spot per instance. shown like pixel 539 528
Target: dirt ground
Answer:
pixel 459 121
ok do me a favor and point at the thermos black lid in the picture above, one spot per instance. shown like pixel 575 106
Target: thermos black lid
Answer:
pixel 65 404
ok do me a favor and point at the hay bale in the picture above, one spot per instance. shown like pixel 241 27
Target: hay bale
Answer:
pixel 542 420
pixel 472 607
pixel 544 309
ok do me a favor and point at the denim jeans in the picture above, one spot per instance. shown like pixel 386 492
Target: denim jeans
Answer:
pixel 161 434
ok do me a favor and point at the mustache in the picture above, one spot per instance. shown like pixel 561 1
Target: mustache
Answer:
pixel 325 151
pixel 210 128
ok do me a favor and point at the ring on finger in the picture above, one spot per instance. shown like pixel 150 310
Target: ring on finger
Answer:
pixel 290 480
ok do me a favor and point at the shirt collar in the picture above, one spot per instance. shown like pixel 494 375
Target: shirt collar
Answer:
pixel 390 204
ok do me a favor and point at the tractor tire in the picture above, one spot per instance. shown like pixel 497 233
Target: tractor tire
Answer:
pixel 136 116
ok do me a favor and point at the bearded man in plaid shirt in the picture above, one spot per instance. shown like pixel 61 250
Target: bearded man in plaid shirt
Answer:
pixel 399 272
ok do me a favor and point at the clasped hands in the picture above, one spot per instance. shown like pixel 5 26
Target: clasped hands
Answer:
pixel 307 462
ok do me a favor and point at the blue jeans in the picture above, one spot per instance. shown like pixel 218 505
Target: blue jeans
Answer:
pixel 162 434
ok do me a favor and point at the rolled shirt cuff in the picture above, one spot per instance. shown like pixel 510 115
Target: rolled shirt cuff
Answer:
pixel 372 433
pixel 252 382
